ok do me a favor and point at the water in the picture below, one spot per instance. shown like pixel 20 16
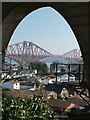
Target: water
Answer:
pixel 55 59
pixel 48 60
pixel 51 60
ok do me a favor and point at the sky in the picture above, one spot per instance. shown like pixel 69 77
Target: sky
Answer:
pixel 48 29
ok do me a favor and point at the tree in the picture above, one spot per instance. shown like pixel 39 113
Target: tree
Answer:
pixel 39 66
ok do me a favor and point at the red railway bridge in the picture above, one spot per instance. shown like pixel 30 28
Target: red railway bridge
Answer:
pixel 26 52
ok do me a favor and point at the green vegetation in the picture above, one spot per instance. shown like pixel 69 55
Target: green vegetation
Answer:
pixel 39 66
pixel 33 108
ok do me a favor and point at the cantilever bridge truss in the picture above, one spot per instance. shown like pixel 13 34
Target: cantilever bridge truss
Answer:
pixel 75 53
pixel 26 52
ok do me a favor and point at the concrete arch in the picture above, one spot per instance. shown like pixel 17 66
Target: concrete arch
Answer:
pixel 76 14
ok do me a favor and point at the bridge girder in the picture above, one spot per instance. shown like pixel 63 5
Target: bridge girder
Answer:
pixel 75 53
pixel 26 52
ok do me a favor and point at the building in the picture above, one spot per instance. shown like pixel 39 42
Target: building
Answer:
pixel 58 88
pixel 64 93
pixel 12 84
pixel 44 93
pixel 52 94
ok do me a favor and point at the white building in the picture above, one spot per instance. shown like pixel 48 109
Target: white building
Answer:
pixel 12 84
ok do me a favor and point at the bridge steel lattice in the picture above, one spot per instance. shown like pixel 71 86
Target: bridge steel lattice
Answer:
pixel 75 53
pixel 26 52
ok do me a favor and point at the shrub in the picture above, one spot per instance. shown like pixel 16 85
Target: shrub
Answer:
pixel 33 108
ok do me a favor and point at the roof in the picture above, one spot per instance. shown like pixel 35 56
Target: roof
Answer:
pixel 40 93
pixel 13 81
pixel 58 87
pixel 16 93
pixel 77 101
pixel 53 87
pixel 52 92
pixel 26 83
pixel 58 103
pixel 70 106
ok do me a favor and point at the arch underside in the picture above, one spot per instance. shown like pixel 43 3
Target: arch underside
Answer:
pixel 76 14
